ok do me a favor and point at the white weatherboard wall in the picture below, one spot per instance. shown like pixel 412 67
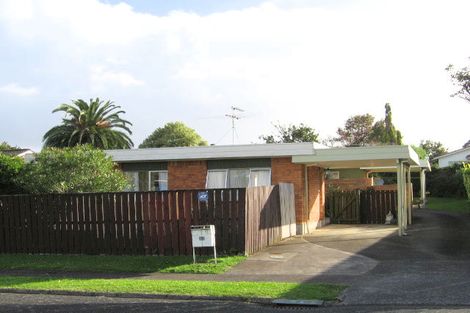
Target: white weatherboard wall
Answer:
pixel 462 155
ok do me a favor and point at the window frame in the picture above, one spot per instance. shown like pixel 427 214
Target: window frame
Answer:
pixel 218 170
pixel 250 170
pixel 150 179
pixel 262 169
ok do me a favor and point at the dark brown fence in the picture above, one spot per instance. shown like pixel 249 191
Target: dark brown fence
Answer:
pixel 343 207
pixel 137 223
pixel 120 223
pixel 375 205
pixel 361 206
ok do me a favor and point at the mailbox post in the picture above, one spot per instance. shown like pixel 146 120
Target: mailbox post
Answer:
pixel 203 236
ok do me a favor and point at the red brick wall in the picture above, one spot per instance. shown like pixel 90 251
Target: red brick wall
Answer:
pixel 350 183
pixel 316 194
pixel 284 171
pixel 187 175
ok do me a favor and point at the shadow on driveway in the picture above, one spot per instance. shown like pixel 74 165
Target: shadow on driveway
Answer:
pixel 430 266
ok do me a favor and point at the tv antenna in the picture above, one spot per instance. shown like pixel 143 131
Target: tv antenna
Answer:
pixel 234 116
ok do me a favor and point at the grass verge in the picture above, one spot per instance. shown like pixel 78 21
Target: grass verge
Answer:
pixel 116 264
pixel 178 287
pixel 454 205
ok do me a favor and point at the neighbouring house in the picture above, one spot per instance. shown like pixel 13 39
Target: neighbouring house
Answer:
pixel 239 166
pixel 453 157
pixel 26 154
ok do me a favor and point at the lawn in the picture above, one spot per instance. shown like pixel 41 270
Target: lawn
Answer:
pixel 119 264
pixel 177 287
pixel 455 205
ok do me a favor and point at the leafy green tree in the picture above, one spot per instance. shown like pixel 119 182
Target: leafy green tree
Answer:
pixel 10 168
pixel 356 131
pixel 73 169
pixel 173 134
pixel 433 148
pixel 5 146
pixel 420 152
pixel 291 133
pixel 96 123
pixel 460 78
pixel 384 132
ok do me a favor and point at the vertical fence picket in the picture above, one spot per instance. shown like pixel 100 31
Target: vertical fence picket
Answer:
pixel 126 224
pixel 139 223
pixel 160 223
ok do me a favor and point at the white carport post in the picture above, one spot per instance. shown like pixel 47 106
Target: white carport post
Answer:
pixel 423 186
pixel 409 196
pixel 401 198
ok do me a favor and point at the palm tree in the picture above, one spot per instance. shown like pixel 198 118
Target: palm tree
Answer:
pixel 96 123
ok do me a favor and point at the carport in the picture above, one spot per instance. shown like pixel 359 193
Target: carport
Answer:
pixel 423 167
pixel 397 158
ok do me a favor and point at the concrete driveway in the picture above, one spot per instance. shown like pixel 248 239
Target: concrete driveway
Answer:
pixel 429 266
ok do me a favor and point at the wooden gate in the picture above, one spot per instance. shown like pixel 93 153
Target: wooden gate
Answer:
pixel 343 207
pixel 360 206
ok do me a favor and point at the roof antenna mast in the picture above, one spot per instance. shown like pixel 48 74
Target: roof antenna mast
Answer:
pixel 234 116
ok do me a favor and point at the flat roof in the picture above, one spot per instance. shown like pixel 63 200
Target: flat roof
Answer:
pixel 359 157
pixel 211 152
pixel 423 164
pixel 301 153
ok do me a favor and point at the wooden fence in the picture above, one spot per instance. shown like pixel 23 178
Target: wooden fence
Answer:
pixel 360 206
pixel 132 223
pixel 264 221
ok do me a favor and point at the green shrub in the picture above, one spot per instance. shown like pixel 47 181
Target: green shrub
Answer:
pixel 10 168
pixel 75 169
pixel 446 182
pixel 466 178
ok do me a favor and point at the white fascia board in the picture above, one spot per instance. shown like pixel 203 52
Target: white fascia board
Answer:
pixel 451 153
pixel 348 154
pixel 211 152
pixel 424 164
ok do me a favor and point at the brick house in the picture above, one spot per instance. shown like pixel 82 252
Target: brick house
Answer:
pixel 239 166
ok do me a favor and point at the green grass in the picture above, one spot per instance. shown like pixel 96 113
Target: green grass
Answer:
pixel 116 264
pixel 178 287
pixel 454 205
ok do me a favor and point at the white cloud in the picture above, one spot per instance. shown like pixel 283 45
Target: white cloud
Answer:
pixel 101 75
pixel 17 90
pixel 317 65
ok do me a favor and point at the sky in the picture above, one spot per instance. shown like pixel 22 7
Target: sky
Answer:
pixel 288 62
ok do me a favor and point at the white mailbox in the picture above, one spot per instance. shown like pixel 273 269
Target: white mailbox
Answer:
pixel 203 236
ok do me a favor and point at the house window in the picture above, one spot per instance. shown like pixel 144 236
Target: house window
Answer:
pixel 133 180
pixel 260 177
pixel 216 179
pixel 147 180
pixel 158 180
pixel 238 178
pixel 332 174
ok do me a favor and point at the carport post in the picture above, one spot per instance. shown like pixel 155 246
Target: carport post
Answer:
pixel 404 198
pixel 423 186
pixel 401 198
pixel 409 198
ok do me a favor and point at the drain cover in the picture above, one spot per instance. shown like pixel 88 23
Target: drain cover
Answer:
pixel 298 302
pixel 276 256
